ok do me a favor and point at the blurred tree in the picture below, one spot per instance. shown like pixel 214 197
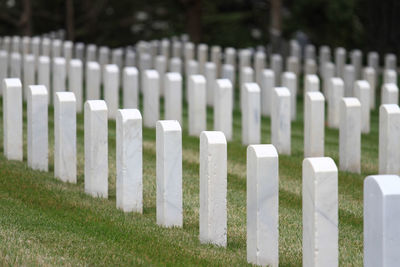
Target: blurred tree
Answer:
pixel 365 24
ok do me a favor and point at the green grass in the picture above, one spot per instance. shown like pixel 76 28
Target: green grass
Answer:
pixel 46 222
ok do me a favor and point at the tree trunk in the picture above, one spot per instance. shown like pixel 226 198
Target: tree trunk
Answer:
pixel 26 18
pixel 276 24
pixel 193 19
pixel 70 19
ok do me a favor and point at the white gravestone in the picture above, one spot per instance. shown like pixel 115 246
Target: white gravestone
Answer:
pixel 324 56
pixel 320 212
pixel 44 74
pixel 38 141
pixel 251 114
pixel 65 157
pixel 389 139
pixel 223 107
pixel 169 173
pixel 280 120
pixel 12 119
pixel 59 76
pixel 336 93
pixel 96 148
pixel 244 58
pixel 130 84
pixel 310 67
pixel 151 101
pixel 350 135
pixel 75 82
pixel 197 105
pixel 381 220
pixel 276 66
pixel 161 68
pixel 216 59
pixel 15 66
pixel 329 72
pixel 293 65
pixel 129 184
pixel 228 72
pixel 267 86
pixel 202 57
pixel 262 205
pixel 192 68
pixel 340 61
pixel 289 80
pixel 56 48
pixel 373 62
pixel 246 75
pixel 3 67
pixel 210 73
pixel 93 80
pixel 390 94
pixel 314 124
pixel 390 76
pixel 349 77
pixel 230 56
pixel 111 89
pixel 370 76
pixel 173 97
pixel 29 73
pixel 259 65
pixel 390 61
pixel 311 83
pixel 213 188
pixel 91 50
pixel 362 92
pixel 356 61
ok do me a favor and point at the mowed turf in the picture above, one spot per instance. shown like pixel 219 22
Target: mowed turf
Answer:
pixel 47 222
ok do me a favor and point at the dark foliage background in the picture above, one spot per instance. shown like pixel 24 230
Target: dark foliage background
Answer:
pixel 365 24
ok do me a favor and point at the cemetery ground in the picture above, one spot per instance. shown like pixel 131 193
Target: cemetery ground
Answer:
pixel 47 222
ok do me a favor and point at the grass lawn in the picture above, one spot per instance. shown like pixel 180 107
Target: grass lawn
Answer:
pixel 47 222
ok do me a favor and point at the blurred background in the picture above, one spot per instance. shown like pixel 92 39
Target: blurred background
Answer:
pixel 364 24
